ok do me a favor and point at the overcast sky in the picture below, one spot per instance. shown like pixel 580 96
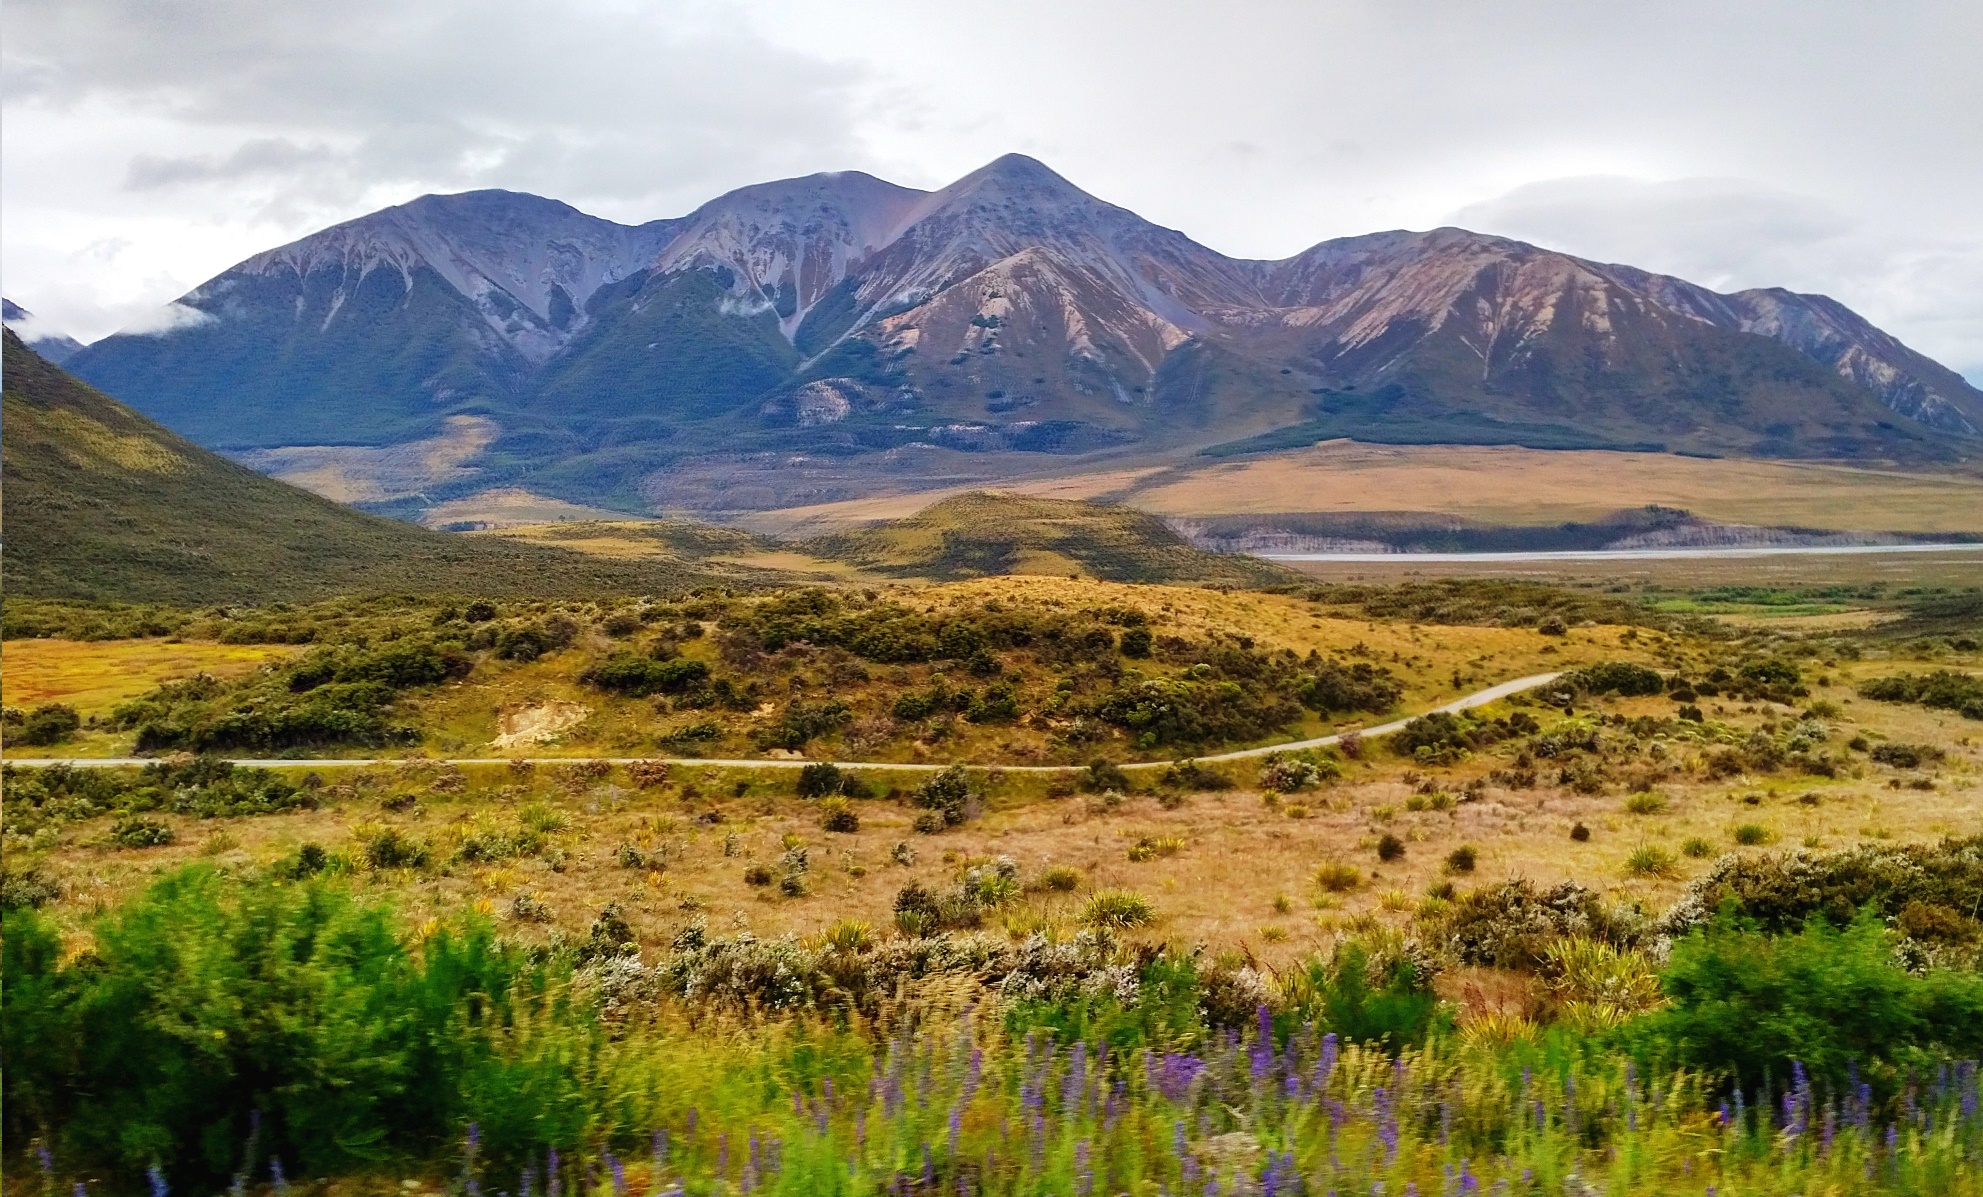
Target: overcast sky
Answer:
pixel 1823 145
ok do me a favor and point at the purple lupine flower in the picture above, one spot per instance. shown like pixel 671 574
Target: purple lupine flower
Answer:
pixel 1387 1125
pixel 956 1130
pixel 81 1190
pixel 1076 1083
pixel 526 1182
pixel 723 1154
pixel 929 1167
pixel 619 1172
pixel 1325 1063
pixel 156 1179
pixel 1263 1043
pixel 554 1179
pixel 1893 1138
pixel 1082 1171
pixel 1469 1183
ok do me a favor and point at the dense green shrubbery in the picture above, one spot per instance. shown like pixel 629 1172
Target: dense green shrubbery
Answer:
pixel 644 676
pixel 339 694
pixel 206 787
pixel 211 1005
pixel 204 1001
pixel 1934 888
pixel 1943 689
pixel 1616 677
pixel 1753 1005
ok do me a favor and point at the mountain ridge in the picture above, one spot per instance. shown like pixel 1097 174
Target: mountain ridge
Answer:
pixel 104 504
pixel 1009 312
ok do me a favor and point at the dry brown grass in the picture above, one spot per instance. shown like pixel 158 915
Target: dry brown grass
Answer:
pixel 1223 887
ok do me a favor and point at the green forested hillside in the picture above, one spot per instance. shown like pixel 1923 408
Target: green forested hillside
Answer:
pixel 102 503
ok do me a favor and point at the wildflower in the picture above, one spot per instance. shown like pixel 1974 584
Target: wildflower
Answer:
pixel 157 1179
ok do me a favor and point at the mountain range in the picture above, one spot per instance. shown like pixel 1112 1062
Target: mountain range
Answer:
pixel 1002 321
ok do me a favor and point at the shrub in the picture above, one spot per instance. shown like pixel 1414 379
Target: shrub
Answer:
pixel 1509 925
pixel 1293 774
pixel 1696 847
pixel 1906 756
pixel 1116 909
pixel 1780 890
pixel 1362 998
pixel 644 676
pixel 136 831
pixel 1461 859
pixel 50 724
pixel 1390 848
pixel 1580 833
pixel 1750 1004
pixel 1943 689
pixel 819 779
pixel 1190 775
pixel 945 799
pixel 836 814
pixel 1616 677
pixel 390 848
pixel 758 874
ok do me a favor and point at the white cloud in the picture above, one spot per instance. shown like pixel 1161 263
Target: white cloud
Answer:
pixel 1828 145
pixel 164 320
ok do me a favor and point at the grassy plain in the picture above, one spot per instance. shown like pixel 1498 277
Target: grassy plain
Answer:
pixel 95 675
pixel 1489 484
pixel 1243 875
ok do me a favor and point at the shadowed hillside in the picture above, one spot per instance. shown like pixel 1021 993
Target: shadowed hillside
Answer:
pixel 987 533
pixel 102 503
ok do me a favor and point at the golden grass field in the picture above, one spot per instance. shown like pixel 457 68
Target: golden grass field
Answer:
pixel 1495 485
pixel 95 675
pixel 1243 875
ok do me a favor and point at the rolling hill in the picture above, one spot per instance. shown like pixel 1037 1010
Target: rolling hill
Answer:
pixel 102 503
pixel 1007 318
pixel 980 534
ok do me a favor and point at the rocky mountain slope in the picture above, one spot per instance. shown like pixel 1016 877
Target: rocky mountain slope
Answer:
pixel 839 315
pixel 102 503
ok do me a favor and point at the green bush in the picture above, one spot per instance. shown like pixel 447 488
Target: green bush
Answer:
pixel 1748 1004
pixel 51 723
pixel 948 796
pixel 1362 999
pixel 642 676
pixel 1619 677
pixel 1943 689
pixel 819 779
pixel 204 1000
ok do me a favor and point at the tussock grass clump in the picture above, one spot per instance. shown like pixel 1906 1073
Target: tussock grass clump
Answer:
pixel 1651 860
pixel 1752 835
pixel 1118 909
pixel 1651 802
pixel 1338 877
